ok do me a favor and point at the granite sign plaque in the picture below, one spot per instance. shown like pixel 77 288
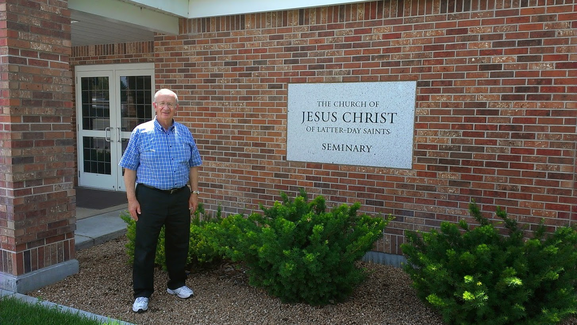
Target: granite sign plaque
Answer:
pixel 361 123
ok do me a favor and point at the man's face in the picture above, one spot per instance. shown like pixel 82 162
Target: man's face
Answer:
pixel 165 106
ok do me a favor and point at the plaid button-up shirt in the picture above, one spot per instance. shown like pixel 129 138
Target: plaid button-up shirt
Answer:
pixel 162 159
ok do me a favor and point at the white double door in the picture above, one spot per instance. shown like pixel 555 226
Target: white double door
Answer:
pixel 110 101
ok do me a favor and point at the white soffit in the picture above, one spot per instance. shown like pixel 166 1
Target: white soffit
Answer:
pixel 88 29
pixel 211 8
pixel 128 13
pixel 174 7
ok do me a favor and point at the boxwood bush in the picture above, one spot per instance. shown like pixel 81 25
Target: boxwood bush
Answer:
pixel 300 252
pixel 476 275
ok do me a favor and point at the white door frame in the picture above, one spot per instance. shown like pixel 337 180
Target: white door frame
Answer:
pixel 107 133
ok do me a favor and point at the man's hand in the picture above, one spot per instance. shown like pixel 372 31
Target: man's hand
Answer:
pixel 193 203
pixel 134 209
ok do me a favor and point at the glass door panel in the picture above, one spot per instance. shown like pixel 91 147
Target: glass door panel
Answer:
pixel 135 100
pixel 136 94
pixel 95 103
pixel 96 156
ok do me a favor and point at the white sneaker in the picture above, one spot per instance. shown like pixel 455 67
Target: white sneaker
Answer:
pixel 140 305
pixel 183 292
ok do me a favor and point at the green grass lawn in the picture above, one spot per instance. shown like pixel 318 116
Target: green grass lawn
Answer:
pixel 16 312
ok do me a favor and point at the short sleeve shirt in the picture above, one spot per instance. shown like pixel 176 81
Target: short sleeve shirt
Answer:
pixel 162 158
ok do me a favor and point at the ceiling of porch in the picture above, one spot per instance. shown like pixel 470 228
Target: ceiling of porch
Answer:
pixel 89 29
pixel 121 21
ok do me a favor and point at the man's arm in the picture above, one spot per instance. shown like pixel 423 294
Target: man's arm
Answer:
pixel 193 178
pixel 130 186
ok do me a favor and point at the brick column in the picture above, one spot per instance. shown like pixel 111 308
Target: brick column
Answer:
pixel 37 197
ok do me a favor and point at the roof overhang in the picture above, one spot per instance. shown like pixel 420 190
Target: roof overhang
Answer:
pixel 119 21
pixel 212 8
pixel 129 13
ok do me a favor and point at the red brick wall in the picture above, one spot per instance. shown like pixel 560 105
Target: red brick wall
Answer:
pixel 137 52
pixel 36 141
pixel 495 113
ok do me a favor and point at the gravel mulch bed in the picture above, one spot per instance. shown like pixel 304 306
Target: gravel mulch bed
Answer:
pixel 222 296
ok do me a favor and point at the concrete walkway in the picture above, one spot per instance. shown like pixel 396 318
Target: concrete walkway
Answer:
pixel 99 229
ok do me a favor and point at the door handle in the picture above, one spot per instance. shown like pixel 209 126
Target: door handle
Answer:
pixel 119 134
pixel 106 134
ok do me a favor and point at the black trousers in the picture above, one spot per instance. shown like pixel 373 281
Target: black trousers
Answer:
pixel 157 209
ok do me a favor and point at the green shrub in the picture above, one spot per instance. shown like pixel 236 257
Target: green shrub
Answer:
pixel 299 252
pixel 130 234
pixel 201 250
pixel 479 276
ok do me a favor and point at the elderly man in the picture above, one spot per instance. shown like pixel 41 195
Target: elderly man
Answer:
pixel 161 165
